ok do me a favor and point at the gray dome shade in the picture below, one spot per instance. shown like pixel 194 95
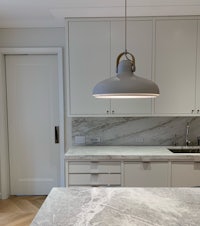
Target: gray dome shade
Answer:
pixel 126 85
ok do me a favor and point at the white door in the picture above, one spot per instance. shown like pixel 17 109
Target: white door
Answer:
pixel 33 114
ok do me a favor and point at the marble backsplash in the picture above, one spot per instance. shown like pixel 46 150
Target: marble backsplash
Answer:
pixel 136 130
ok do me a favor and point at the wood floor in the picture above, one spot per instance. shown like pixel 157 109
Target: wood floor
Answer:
pixel 19 210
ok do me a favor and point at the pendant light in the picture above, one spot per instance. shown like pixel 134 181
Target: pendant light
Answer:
pixel 126 84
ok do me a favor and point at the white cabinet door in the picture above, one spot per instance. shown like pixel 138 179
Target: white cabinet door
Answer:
pixel 139 43
pixel 175 59
pixel 89 63
pixel 198 73
pixel 185 174
pixel 145 174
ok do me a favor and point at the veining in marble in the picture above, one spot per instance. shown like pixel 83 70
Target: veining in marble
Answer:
pixel 84 206
pixel 136 131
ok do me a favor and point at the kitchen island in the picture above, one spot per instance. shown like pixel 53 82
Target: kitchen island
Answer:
pixel 84 206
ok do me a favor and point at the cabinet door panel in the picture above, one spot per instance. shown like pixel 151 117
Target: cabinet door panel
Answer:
pixel 139 43
pixel 185 174
pixel 89 63
pixel 175 66
pixel 198 72
pixel 143 174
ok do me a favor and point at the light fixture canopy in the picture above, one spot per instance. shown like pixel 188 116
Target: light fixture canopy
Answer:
pixel 126 84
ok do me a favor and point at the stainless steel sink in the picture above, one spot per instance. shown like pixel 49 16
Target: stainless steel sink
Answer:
pixel 185 150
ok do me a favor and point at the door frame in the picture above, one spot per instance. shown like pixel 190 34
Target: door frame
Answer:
pixel 4 145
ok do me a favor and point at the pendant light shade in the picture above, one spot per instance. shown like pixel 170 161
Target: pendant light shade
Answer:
pixel 126 84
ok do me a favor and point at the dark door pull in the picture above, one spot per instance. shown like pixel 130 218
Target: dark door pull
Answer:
pixel 56 134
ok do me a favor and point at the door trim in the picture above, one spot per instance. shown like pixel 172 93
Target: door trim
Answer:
pixel 4 146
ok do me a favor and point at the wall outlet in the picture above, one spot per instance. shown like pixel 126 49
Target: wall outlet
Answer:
pixel 138 139
pixel 79 139
pixel 95 140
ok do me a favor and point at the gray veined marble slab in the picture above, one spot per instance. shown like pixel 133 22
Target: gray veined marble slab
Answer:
pixel 82 206
pixel 141 153
pixel 156 131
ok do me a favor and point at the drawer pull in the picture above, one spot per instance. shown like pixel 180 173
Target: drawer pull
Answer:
pixel 146 165
pixel 95 185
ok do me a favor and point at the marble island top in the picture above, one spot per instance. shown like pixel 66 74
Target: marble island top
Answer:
pixel 84 206
pixel 143 153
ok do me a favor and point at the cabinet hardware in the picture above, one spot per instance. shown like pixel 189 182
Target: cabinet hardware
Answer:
pixel 146 165
pixel 192 111
pixel 107 112
pixel 95 185
pixel 198 111
pixel 56 134
pixel 113 111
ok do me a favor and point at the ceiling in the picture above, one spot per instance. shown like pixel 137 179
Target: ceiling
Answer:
pixel 51 13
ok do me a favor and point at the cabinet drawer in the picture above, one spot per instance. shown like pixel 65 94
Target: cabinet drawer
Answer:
pixel 94 167
pixel 146 174
pixel 94 179
pixel 185 174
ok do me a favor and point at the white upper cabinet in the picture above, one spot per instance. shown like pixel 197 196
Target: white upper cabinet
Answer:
pixel 139 43
pixel 166 49
pixel 93 47
pixel 175 65
pixel 89 62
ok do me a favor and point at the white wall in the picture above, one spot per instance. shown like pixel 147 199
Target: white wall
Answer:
pixel 32 37
pixel 27 37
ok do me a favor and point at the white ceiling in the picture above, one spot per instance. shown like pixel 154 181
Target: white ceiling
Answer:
pixel 51 13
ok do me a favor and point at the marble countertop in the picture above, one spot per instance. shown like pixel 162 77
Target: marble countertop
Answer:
pixel 84 206
pixel 141 153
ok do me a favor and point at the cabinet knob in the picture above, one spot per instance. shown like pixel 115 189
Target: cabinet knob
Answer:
pixel 198 111
pixel 192 111
pixel 107 112
pixel 113 112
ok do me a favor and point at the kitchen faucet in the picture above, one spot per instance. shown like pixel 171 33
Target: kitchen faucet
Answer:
pixel 187 141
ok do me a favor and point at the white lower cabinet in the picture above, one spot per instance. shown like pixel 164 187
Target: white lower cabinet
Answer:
pixel 146 174
pixel 133 173
pixel 185 174
pixel 93 173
